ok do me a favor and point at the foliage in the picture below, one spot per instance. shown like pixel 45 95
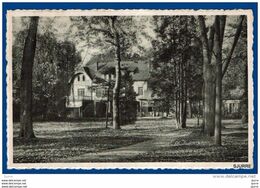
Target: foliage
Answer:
pixel 176 46
pixel 236 78
pixel 55 62
pixel 96 33
pixel 128 104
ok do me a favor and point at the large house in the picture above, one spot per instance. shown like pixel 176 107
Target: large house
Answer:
pixel 87 94
pixel 89 87
pixel 89 90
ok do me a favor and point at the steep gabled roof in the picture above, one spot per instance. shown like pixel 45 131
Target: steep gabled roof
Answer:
pixel 106 64
pixel 93 75
pixel 109 67
pixel 90 72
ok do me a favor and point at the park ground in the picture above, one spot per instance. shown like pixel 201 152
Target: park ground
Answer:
pixel 156 140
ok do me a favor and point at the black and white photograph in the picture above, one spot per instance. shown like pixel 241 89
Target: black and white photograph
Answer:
pixel 130 89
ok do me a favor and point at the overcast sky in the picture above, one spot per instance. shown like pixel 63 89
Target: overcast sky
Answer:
pixel 61 27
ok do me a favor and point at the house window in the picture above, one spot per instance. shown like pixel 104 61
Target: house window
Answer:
pixel 78 78
pixel 98 92
pixel 140 91
pixel 104 92
pixel 81 92
pixel 83 78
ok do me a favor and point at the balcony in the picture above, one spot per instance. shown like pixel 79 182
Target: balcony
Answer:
pixel 78 98
pixel 76 101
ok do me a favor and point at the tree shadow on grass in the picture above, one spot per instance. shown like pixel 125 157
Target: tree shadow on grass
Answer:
pixel 195 153
pixel 51 149
pixel 237 134
pixel 198 148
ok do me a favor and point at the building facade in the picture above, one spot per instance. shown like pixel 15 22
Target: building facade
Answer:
pixel 88 96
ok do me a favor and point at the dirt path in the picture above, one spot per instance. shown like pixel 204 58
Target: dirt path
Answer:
pixel 146 140
pixel 158 142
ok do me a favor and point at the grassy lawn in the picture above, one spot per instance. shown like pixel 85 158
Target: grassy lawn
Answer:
pixel 147 140
pixel 197 148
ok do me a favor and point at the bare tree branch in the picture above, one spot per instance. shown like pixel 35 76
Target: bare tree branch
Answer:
pixel 110 42
pixel 237 35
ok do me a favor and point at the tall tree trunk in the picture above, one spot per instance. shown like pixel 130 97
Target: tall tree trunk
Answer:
pixel 167 107
pixel 203 105
pixel 209 96
pixel 26 127
pixel 198 114
pixel 191 104
pixel 116 94
pixel 184 114
pixel 218 115
pixel 208 77
pixel 176 97
pixel 108 101
pixel 218 52
pixel 218 28
pixel 184 96
pixel 116 89
pixel 176 108
pixel 185 71
pixel 180 96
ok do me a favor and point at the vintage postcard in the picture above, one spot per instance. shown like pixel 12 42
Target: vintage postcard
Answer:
pixel 130 89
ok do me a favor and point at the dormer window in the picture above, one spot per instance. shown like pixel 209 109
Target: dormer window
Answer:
pixel 83 78
pixel 78 78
